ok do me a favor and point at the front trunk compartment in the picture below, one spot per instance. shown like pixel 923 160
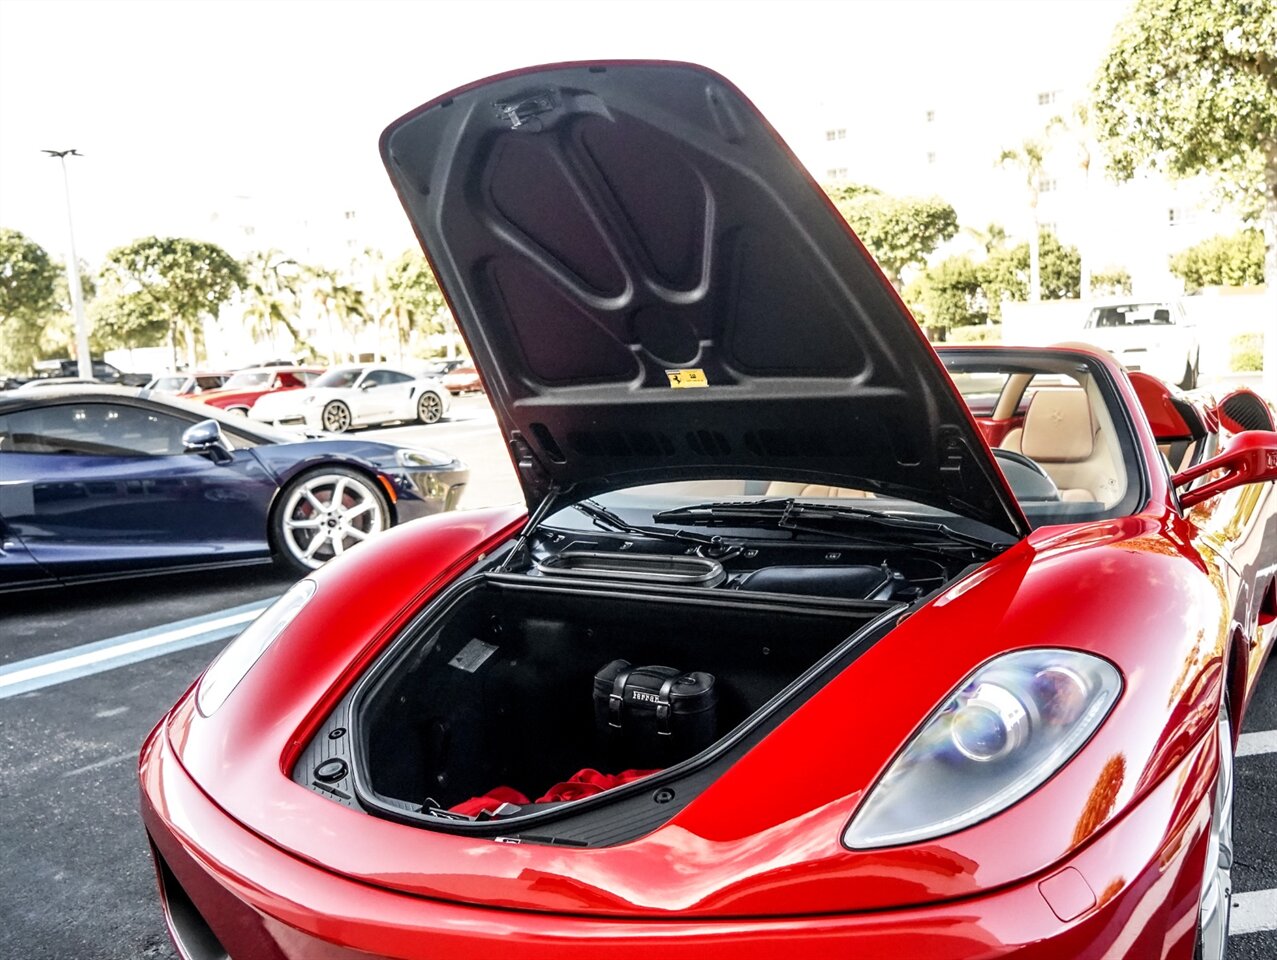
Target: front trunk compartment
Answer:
pixel 503 681
pixel 441 728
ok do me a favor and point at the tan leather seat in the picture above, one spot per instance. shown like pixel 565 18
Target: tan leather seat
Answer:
pixel 1061 434
pixel 1179 454
pixel 816 491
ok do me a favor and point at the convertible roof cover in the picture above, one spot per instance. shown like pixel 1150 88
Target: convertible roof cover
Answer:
pixel 653 288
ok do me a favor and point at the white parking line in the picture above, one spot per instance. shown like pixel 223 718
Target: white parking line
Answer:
pixel 1264 741
pixel 90 658
pixel 132 754
pixel 1253 912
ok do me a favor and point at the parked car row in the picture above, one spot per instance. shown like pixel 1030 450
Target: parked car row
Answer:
pixel 335 401
pixel 102 482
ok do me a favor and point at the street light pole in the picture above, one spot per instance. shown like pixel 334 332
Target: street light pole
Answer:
pixel 73 274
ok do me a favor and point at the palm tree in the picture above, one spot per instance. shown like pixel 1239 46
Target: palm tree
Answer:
pixel 1028 159
pixel 417 300
pixel 341 299
pixel 275 297
pixel 1077 126
pixel 993 237
pixel 379 300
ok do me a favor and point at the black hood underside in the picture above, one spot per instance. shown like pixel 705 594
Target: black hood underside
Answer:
pixel 653 289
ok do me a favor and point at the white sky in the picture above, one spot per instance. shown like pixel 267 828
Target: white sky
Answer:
pixel 180 105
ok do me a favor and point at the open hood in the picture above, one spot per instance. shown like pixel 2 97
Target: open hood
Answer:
pixel 653 288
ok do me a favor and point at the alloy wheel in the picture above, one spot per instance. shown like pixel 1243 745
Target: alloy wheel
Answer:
pixel 429 408
pixel 325 514
pixel 336 417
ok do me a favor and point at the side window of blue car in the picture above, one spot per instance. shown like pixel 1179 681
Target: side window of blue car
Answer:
pixel 93 429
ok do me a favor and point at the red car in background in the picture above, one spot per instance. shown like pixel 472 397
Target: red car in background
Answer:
pixel 922 693
pixel 241 391
pixel 461 380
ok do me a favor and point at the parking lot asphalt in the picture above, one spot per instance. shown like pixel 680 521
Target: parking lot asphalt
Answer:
pixel 78 883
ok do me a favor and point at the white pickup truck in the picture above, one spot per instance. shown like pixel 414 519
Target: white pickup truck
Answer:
pixel 1155 336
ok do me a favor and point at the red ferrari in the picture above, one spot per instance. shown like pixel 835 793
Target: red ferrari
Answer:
pixel 810 641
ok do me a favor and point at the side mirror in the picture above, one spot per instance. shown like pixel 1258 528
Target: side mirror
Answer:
pixel 1250 458
pixel 205 438
pixel 367 385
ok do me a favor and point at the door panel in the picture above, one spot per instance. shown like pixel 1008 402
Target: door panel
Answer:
pixel 93 487
pixel 87 514
pixel 17 567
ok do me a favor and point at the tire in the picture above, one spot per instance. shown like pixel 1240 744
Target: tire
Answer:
pixel 1215 901
pixel 335 417
pixel 306 531
pixel 429 407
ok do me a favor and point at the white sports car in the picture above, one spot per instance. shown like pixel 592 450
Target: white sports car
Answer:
pixel 345 397
pixel 1155 336
pixel 280 406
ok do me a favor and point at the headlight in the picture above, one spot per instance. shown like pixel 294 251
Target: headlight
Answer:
pixel 422 458
pixel 1005 730
pixel 238 656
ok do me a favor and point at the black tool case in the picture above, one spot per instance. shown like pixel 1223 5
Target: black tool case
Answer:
pixel 650 717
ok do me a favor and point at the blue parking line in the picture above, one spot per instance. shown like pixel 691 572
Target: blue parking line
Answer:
pixel 87 659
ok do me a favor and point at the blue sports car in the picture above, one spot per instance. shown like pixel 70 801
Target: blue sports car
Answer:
pixel 100 482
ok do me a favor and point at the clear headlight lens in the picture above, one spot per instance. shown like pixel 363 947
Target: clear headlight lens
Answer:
pixel 1005 730
pixel 237 657
pixel 421 458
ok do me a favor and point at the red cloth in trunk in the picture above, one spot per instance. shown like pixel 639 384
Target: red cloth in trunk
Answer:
pixel 489 801
pixel 588 782
pixel 583 783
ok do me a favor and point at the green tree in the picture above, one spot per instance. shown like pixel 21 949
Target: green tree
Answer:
pixel 339 299
pixel 900 232
pixel 1222 261
pixel 1113 282
pixel 1005 275
pixel 993 237
pixel 949 294
pixel 29 285
pixel 418 303
pixel 273 285
pixel 1029 160
pixel 1190 87
pixel 162 287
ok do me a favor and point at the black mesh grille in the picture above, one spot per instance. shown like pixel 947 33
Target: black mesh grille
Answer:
pixel 1248 410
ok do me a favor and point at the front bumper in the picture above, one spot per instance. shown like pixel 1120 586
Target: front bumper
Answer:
pixel 226 890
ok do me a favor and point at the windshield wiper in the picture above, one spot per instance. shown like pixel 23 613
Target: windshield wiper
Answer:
pixel 787 513
pixel 608 520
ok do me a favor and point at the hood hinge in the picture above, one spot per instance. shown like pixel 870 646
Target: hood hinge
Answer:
pixel 526 462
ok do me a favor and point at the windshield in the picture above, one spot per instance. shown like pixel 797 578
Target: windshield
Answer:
pixel 247 379
pixel 339 378
pixel 1058 430
pixel 1053 419
pixel 1130 315
pixel 168 384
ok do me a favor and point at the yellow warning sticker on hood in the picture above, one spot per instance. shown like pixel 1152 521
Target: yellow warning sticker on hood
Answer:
pixel 687 378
